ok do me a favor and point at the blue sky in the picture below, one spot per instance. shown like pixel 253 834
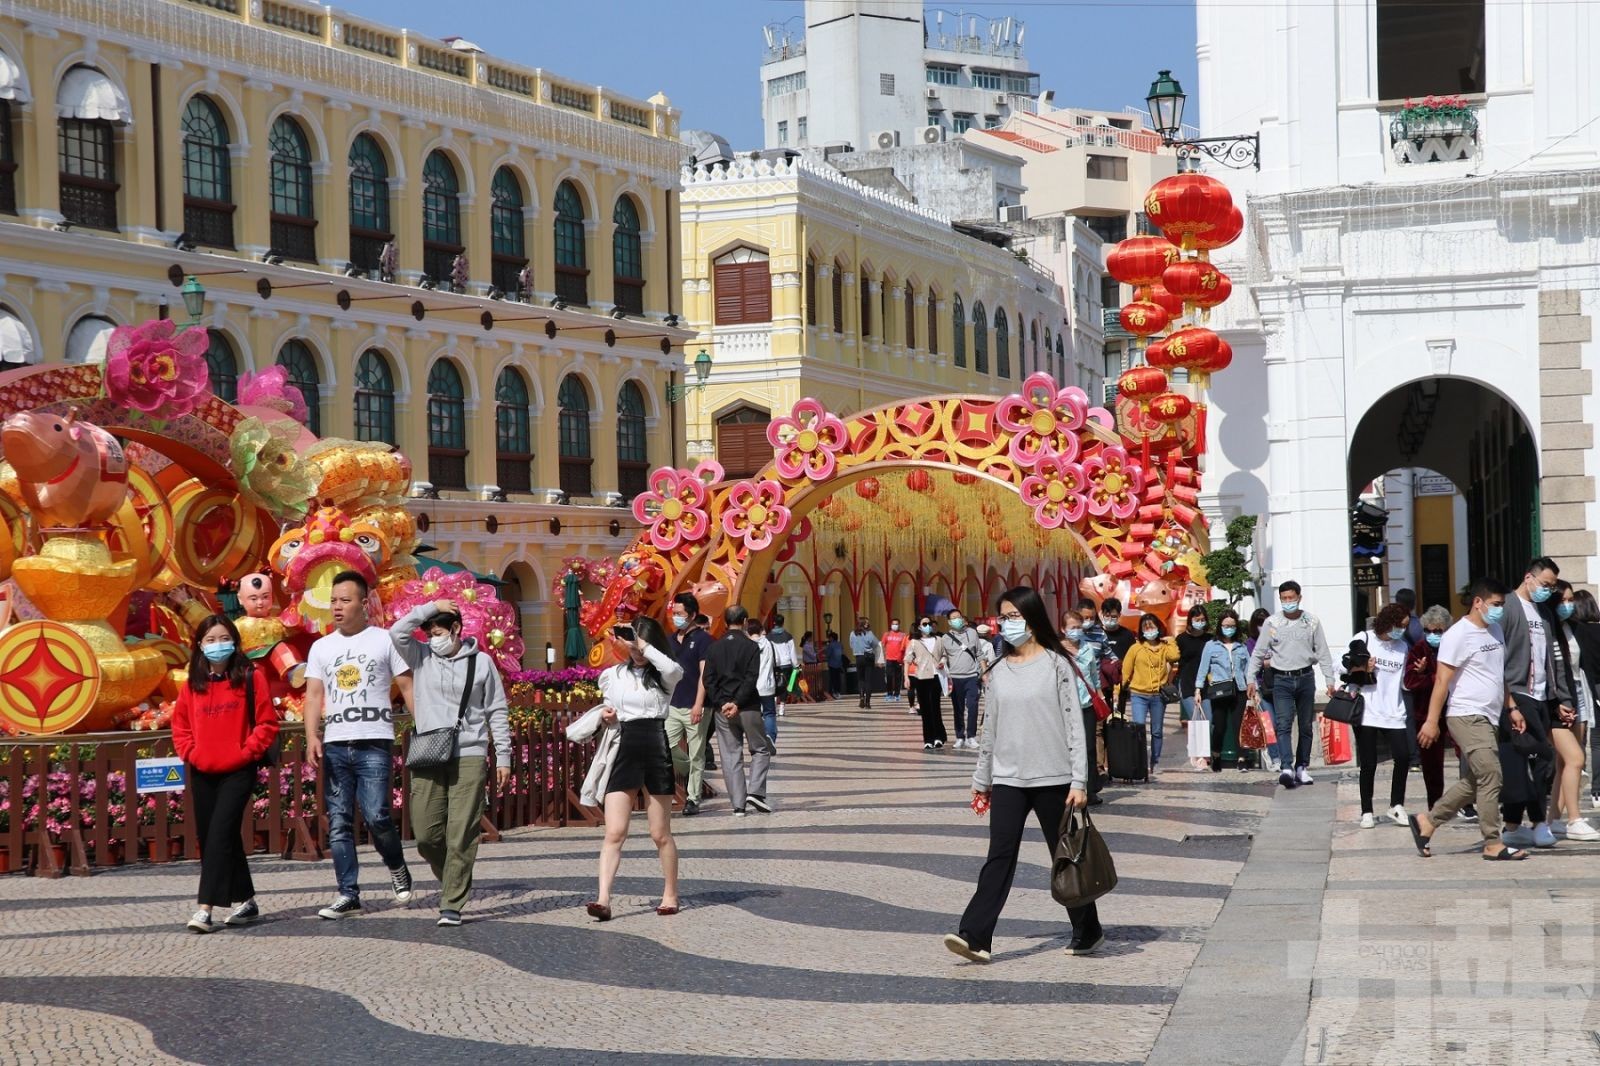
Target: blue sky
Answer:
pixel 706 54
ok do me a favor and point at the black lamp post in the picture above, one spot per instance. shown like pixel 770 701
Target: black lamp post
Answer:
pixel 1166 99
pixel 702 371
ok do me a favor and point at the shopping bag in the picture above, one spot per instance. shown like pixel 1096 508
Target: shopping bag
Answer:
pixel 1199 738
pixel 1250 731
pixel 1268 731
pixel 1337 745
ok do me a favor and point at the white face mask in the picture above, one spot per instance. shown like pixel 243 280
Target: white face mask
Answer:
pixel 443 644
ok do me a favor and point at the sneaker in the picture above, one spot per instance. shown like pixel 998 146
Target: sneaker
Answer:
pixel 1398 815
pixel 1368 821
pixel 912 710
pixel 341 907
pixel 1155 771
pixel 1301 777
pixel 690 808
pixel 1594 801
pixel 202 923
pixel 401 880
pixel 1470 812
pixel 759 803
pixel 740 813
pixel 938 745
pixel 1543 837
pixel 1287 780
pixel 1520 837
pixel 243 914
pixel 959 945
pixel 1580 829
pixel 927 747
pixel 1088 943
pixel 780 712
pixel 449 918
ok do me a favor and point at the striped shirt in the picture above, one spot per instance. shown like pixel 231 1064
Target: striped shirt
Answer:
pixel 1292 644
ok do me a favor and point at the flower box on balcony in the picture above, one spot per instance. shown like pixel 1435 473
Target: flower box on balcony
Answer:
pixel 1434 130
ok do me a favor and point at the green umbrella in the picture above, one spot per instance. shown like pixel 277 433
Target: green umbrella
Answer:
pixel 577 648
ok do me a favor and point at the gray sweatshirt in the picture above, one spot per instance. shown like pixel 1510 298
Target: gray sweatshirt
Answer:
pixel 1033 732
pixel 436 689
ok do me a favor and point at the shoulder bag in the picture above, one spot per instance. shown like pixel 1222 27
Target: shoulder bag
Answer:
pixel 1082 870
pixel 1102 709
pixel 1222 690
pixel 1345 706
pixel 437 747
pixel 274 753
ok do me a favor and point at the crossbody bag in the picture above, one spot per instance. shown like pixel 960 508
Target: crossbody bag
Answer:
pixel 437 747
pixel 1221 690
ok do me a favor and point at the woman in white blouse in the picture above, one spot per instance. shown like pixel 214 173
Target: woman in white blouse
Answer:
pixel 635 695
pixel 1383 715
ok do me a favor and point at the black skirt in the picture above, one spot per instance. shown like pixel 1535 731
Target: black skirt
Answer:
pixel 643 760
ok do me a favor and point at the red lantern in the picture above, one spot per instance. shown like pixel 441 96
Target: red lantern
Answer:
pixel 1141 383
pixel 1004 547
pixel 1170 407
pixel 962 477
pixel 1142 317
pixel 1140 260
pixel 1220 359
pixel 1158 294
pixel 852 522
pixel 958 534
pixel 1193 348
pixel 919 480
pixel 1189 206
pixel 1158 356
pixel 867 488
pixel 1225 233
pixel 1218 292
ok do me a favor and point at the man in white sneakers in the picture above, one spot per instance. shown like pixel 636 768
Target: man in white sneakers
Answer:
pixel 785 658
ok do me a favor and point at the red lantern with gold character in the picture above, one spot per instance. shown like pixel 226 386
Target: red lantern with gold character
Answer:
pixel 1170 407
pixel 1191 281
pixel 1158 356
pixel 867 488
pixel 1193 349
pixel 963 477
pixel 1226 232
pixel 1187 207
pixel 1219 359
pixel 1140 260
pixel 919 480
pixel 1217 292
pixel 1158 294
pixel 1142 317
pixel 1141 384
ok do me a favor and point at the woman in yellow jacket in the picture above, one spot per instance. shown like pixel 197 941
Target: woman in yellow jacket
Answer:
pixel 1147 666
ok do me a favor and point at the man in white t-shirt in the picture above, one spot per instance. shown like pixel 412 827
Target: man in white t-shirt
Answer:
pixel 1471 676
pixel 349 674
pixel 766 677
pixel 784 657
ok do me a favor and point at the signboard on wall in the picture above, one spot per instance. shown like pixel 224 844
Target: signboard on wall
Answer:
pixel 1367 575
pixel 1433 485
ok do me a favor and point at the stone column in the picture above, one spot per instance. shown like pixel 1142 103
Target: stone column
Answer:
pixel 1566 489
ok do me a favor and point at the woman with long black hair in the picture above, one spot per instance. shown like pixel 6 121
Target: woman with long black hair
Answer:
pixel 221 728
pixel 1033 756
pixel 924 660
pixel 636 693
pixel 1224 660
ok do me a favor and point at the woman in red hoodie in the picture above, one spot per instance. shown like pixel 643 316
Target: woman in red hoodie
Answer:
pixel 223 725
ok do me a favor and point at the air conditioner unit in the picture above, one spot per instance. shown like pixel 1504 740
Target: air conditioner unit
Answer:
pixel 886 139
pixel 1013 213
pixel 933 94
pixel 932 134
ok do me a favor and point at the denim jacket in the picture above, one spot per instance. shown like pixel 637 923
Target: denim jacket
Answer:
pixel 1214 664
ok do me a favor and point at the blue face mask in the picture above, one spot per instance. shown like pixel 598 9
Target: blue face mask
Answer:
pixel 218 653
pixel 958 623
pixel 1075 634
pixel 927 631
pixel 1290 606
pixel 679 621
pixel 1564 611
pixel 1397 634
pixel 1434 639
pixel 1540 593
pixel 1492 615
pixel 1229 631
pixel 1015 632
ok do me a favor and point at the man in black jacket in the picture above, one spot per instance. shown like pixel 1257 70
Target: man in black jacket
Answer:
pixel 732 666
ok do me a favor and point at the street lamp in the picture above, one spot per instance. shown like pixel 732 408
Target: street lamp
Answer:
pixel 1165 101
pixel 702 371
pixel 194 301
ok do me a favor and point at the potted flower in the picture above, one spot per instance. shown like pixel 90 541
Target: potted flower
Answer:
pixel 1434 116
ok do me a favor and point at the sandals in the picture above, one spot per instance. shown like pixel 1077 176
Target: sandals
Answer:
pixel 1422 842
pixel 1507 854
pixel 599 912
pixel 666 912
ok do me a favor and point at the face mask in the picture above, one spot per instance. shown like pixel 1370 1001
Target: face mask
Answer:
pixel 679 621
pixel 1075 634
pixel 1015 632
pixel 1290 606
pixel 1111 621
pixel 1229 631
pixel 1197 624
pixel 1564 611
pixel 1434 639
pixel 958 623
pixel 1151 634
pixel 927 630
pixel 895 626
pixel 1492 615
pixel 1397 634
pixel 442 643
pixel 1540 593
pixel 218 653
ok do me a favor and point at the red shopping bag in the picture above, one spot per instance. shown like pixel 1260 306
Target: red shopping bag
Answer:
pixel 1337 745
pixel 1269 732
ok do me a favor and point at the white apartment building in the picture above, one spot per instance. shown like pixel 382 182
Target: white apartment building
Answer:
pixel 1418 281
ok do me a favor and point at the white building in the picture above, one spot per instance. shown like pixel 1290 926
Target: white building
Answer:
pixel 882 73
pixel 1415 289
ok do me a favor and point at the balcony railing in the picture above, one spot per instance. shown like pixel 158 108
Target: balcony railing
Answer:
pixel 89 202
pixel 209 222
pixel 514 472
pixel 576 477
pixel 503 273
pixel 447 468
pixel 572 285
pixel 1434 135
pixel 1111 322
pixel 294 237
pixel 366 249
pixel 632 479
pixel 630 295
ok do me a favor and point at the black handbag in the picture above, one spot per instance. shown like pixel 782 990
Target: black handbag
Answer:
pixel 1082 871
pixel 1169 693
pixel 437 747
pixel 1345 706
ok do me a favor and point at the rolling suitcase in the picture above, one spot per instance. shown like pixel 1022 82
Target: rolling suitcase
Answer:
pixel 1127 750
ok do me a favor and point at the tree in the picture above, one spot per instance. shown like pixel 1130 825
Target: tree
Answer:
pixel 1228 567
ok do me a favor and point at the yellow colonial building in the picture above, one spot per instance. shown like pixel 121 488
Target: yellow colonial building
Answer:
pixel 468 259
pixel 802 282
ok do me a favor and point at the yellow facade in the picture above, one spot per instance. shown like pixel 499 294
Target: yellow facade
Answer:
pixel 337 78
pixel 824 237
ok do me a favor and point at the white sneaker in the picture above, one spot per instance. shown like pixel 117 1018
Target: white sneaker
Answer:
pixel 1155 771
pixel 1397 815
pixel 202 923
pixel 1580 829
pixel 1594 801
pixel 1543 837
pixel 1368 821
pixel 1520 837
pixel 1302 777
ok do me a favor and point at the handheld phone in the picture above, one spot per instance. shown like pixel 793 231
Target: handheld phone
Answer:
pixel 623 633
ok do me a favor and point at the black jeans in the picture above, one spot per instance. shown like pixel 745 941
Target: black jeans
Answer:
pixel 219 806
pixel 930 700
pixel 894 678
pixel 1368 738
pixel 865 680
pixel 1226 714
pixel 1008 817
pixel 1528 765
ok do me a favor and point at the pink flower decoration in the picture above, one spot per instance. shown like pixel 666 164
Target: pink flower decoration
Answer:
pixel 674 508
pixel 808 442
pixel 1043 419
pixel 1056 491
pixel 271 389
pixel 156 369
pixel 1115 482
pixel 755 513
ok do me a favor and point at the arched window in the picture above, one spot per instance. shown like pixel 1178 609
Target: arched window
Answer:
pixel 207 175
pixel 296 358
pixel 742 284
pixel 294 222
pixel 513 436
pixel 447 427
pixel 86 146
pixel 1002 342
pixel 87 340
pixel 577 461
pixel 375 398
pixel 441 218
pixel 811 291
pixel 980 338
pixel 369 203
pixel 864 305
pixel 633 445
pixel 572 256
pixel 742 446
pixel 507 231
pixel 222 366
pixel 838 298
pixel 627 257
pixel 910 298
pixel 958 330
pixel 933 322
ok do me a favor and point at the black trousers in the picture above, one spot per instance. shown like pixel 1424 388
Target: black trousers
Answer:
pixel 1368 753
pixel 1226 714
pixel 219 806
pixel 866 680
pixel 894 678
pixel 1528 765
pixel 1008 817
pixel 930 700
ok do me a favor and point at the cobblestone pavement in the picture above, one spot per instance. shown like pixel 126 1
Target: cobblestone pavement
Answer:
pixel 812 935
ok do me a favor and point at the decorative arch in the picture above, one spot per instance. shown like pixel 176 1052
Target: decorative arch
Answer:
pixel 463 364
pixel 640 195
pixel 387 143
pixel 582 368
pixel 384 343
pixel 520 364
pixel 307 119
